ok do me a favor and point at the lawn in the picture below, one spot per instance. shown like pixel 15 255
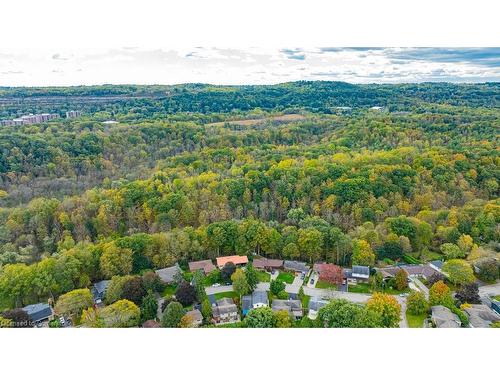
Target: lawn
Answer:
pixel 415 321
pixel 169 290
pixel 286 277
pixel 321 284
pixel 497 298
pixel 305 301
pixel 360 288
pixel 230 294
pixel 264 277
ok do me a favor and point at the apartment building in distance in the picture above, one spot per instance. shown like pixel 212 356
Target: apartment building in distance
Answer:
pixel 31 119
pixel 73 114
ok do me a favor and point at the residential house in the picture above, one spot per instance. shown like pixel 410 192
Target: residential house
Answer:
pixel 425 271
pixel 237 260
pixel 437 265
pixel 357 274
pixel 205 265
pixel 169 274
pixel 225 311
pixel 480 316
pixel 316 303
pixel 212 299
pixel 293 307
pixel 196 317
pixel 296 266
pixel 39 312
pixel 442 317
pixel 99 291
pixel 267 264
pixel 257 299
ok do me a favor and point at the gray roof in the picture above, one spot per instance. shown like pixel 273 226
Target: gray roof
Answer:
pixel 99 289
pixel 294 307
pixel 444 318
pixel 480 316
pixel 38 311
pixel 437 263
pixel 316 303
pixel 224 306
pixel 362 270
pixel 168 274
pixel 212 299
pixel 296 266
pixel 195 314
pixel 259 296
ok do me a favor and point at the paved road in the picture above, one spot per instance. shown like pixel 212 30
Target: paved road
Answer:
pixel 321 293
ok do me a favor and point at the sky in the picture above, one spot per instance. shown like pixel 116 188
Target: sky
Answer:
pixel 133 65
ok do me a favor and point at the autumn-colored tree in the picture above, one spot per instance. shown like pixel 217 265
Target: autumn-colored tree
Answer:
pixel 121 314
pixel 186 321
pixel 416 303
pixel 331 273
pixel 115 261
pixel 387 307
pixel 74 302
pixel 440 294
pixel 283 319
pixel 459 271
pixel 240 283
pixel 401 279
pixel 362 253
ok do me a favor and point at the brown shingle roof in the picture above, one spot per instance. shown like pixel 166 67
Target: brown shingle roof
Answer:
pixel 267 263
pixel 206 265
pixel 235 259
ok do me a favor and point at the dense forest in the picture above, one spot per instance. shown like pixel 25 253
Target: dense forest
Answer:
pixel 192 172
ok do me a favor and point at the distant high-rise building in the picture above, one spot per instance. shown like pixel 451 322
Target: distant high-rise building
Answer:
pixel 73 114
pixel 31 119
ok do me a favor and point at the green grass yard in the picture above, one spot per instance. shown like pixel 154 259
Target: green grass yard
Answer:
pixel 286 277
pixel 360 288
pixel 321 284
pixel 169 290
pixel 497 298
pixel 415 321
pixel 230 294
pixel 264 277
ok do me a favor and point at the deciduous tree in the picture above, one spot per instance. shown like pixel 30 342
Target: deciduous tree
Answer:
pixel 387 307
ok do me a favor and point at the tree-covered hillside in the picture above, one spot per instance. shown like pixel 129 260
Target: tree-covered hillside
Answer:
pixel 192 172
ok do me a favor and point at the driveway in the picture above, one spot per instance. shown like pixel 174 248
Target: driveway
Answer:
pixel 314 277
pixel 218 289
pixel 295 286
pixel 420 285
pixel 275 275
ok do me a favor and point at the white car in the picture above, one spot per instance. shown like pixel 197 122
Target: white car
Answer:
pixel 216 285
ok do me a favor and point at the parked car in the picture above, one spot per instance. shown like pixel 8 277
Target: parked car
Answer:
pixel 216 285
pixel 312 281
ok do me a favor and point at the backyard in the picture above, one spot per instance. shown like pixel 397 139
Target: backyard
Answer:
pixel 322 284
pixel 286 277
pixel 230 294
pixel 169 290
pixel 263 277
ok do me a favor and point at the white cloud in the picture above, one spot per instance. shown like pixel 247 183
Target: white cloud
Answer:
pixel 246 66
